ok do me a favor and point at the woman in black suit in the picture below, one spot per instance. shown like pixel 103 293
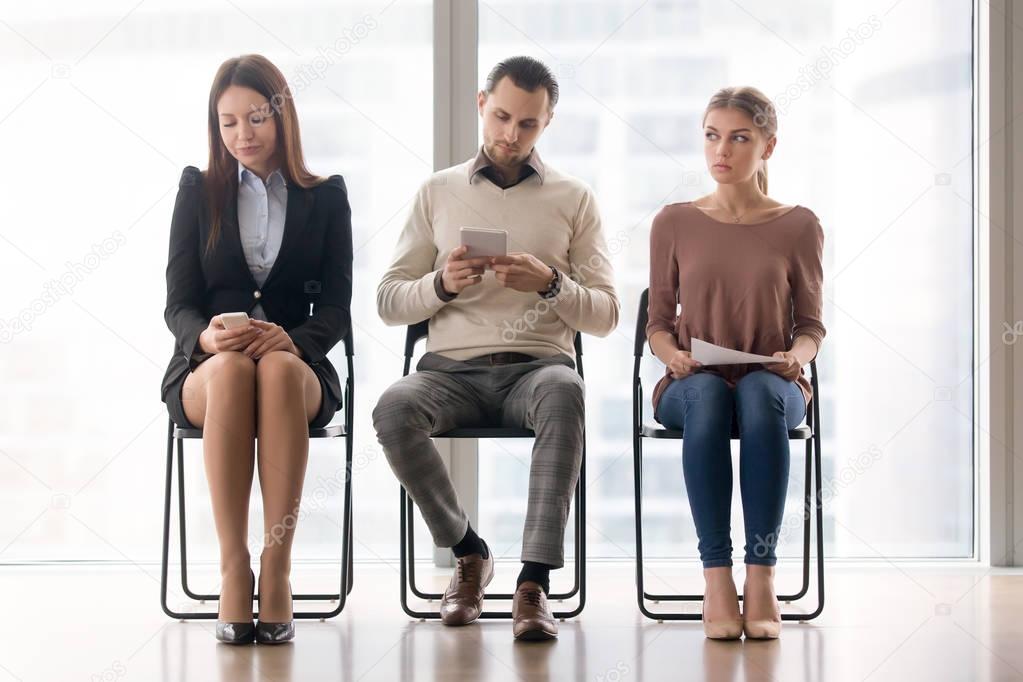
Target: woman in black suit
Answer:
pixel 256 232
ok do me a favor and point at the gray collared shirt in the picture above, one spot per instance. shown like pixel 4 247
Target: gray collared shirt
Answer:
pixel 262 208
pixel 484 165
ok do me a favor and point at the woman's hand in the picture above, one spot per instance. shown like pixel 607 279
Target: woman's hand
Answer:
pixel 682 364
pixel 272 337
pixel 217 339
pixel 789 369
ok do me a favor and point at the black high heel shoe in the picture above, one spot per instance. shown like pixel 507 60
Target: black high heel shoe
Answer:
pixel 238 633
pixel 276 633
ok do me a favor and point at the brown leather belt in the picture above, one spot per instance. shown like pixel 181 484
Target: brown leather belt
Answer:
pixel 501 359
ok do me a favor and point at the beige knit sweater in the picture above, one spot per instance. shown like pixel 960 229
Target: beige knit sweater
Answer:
pixel 554 218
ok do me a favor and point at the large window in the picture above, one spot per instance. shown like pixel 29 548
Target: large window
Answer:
pixel 105 104
pixel 101 112
pixel 874 103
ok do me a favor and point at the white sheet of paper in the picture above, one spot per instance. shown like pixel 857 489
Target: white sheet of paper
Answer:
pixel 709 354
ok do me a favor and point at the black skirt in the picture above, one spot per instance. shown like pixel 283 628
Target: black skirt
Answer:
pixel 328 405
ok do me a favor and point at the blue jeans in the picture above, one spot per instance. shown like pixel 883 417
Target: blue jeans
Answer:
pixel 765 407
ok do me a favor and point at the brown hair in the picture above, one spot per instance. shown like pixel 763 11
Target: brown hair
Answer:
pixel 258 73
pixel 760 109
pixel 528 74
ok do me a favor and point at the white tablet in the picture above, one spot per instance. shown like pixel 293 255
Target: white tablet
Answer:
pixel 484 242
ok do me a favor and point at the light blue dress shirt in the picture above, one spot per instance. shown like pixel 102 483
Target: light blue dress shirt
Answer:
pixel 262 208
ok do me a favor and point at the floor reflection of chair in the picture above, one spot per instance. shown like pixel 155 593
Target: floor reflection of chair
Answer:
pixel 461 653
pixel 256 663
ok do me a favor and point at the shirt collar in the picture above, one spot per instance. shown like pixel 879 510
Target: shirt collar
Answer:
pixel 242 171
pixel 532 164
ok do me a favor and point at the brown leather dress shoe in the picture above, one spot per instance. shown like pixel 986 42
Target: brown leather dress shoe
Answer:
pixel 463 599
pixel 531 614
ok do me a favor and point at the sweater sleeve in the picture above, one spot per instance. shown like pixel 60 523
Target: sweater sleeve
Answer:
pixel 587 301
pixel 407 293
pixel 663 306
pixel 808 285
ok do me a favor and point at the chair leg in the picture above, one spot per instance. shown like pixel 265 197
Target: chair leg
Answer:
pixel 637 492
pixel 819 508
pixel 578 572
pixel 580 542
pixel 182 533
pixel 165 553
pixel 407 559
pixel 347 544
pixel 404 556
pixel 351 554
pixel 410 529
pixel 346 581
pixel 805 585
pixel 814 457
pixel 349 447
pixel 808 488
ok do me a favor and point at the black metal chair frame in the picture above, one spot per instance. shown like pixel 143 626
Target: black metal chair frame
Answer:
pixel 809 433
pixel 176 434
pixel 416 333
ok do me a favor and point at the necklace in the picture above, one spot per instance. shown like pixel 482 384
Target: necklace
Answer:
pixel 735 218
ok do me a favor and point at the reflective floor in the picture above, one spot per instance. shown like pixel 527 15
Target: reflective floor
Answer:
pixel 881 622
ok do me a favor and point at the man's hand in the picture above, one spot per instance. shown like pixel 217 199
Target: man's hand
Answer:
pixel 461 273
pixel 522 272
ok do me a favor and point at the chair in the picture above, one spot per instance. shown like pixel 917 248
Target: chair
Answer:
pixel 810 434
pixel 176 434
pixel 416 333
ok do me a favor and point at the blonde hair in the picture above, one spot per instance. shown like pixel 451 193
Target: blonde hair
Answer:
pixel 759 107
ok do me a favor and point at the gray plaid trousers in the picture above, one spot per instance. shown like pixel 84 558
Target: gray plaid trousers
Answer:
pixel 545 395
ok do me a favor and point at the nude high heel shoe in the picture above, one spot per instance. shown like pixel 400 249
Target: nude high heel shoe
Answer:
pixel 727 629
pixel 761 629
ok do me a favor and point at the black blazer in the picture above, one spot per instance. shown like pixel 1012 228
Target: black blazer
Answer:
pixel 314 266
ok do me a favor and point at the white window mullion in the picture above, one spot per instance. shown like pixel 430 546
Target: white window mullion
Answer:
pixel 455 31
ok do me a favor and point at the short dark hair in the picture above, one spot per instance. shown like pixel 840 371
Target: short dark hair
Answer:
pixel 527 73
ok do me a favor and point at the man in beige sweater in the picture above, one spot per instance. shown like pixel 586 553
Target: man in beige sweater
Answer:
pixel 500 346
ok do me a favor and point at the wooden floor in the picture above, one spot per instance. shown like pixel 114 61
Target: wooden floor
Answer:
pixel 881 622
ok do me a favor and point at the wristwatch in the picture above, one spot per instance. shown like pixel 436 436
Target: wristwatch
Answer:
pixel 555 286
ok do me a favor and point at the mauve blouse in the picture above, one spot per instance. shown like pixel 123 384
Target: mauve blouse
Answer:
pixel 752 288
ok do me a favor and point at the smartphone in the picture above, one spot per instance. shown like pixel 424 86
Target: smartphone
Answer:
pixel 484 242
pixel 234 320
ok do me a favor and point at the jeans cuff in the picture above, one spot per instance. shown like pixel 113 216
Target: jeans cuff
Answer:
pixel 717 563
pixel 762 561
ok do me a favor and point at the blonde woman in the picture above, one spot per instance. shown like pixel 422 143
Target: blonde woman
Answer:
pixel 746 270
